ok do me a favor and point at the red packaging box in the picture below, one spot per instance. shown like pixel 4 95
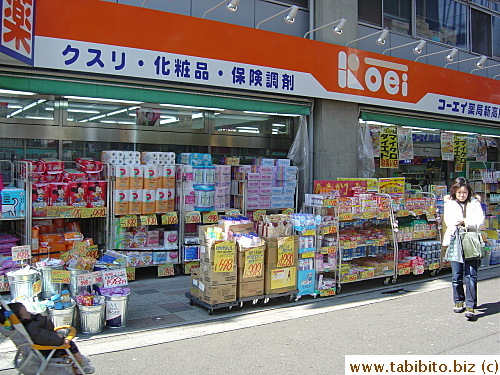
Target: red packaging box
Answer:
pixel 58 194
pixel 74 175
pixel 53 165
pixel 89 165
pixel 78 194
pixel 96 196
pixel 40 196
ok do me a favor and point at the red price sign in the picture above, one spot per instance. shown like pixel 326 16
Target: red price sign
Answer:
pixel 211 217
pixel 98 212
pixel 169 218
pixel 149 220
pixel 84 280
pixel 166 269
pixel 21 252
pixel 286 252
pixel 225 254
pixel 97 277
pixel 115 278
pixel 193 217
pixel 253 270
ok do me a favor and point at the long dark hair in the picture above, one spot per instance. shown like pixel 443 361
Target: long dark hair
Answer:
pixel 460 182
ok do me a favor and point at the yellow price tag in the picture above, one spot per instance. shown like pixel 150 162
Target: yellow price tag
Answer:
pixel 37 287
pixel 233 212
pixel 225 254
pixel 329 230
pixel 148 219
pixel 130 273
pixel 193 217
pixel 169 218
pixel 166 269
pixel 309 254
pixel 53 211
pixel 329 250
pixel 288 211
pixel 286 251
pixel 346 216
pixel 327 292
pixel 76 212
pixel 61 277
pixel 98 212
pixel 128 221
pixel 211 217
pixel 257 214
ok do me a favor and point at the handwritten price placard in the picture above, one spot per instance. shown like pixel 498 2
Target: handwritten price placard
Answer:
pixel 86 213
pixel 211 217
pixel 128 221
pixel 115 278
pixel 76 213
pixel 193 217
pixel 98 212
pixel 288 211
pixel 21 252
pixel 61 277
pixel 169 218
pixel 233 212
pixel 257 214
pixel 166 269
pixel 149 220
pixel 286 251
pixel 130 273
pixel 254 262
pixel 37 287
pixel 225 253
pixel 84 279
pixel 97 277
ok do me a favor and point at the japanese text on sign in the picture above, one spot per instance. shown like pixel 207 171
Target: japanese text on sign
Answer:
pixel 84 279
pixel 389 148
pixel 286 251
pixel 460 151
pixel 21 252
pixel 115 278
pixel 464 107
pixel 61 277
pixel 193 217
pixel 254 262
pixel 224 256
pixel 211 217
pixel 17 29
pixel 166 269
pixel 149 220
pixel 169 218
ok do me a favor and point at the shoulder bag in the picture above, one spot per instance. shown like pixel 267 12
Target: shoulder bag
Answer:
pixel 472 241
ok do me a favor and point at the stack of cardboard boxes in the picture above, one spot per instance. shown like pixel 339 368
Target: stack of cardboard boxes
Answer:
pixel 230 270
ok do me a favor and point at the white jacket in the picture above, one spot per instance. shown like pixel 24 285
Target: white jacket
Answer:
pixel 453 213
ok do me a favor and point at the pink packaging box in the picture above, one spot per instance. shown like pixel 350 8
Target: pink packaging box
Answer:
pixel 265 184
pixel 265 191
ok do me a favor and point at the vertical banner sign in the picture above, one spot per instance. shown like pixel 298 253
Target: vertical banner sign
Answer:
pixel 254 262
pixel 472 144
pixel 482 149
pixel 389 148
pixel 375 134
pixel 17 29
pixel 286 251
pixel 447 146
pixel 405 144
pixel 460 150
pixel 224 256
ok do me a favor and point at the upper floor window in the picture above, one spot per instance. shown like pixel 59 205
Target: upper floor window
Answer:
pixel 480 24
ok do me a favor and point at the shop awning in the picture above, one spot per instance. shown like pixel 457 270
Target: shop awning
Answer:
pixel 149 94
pixel 431 124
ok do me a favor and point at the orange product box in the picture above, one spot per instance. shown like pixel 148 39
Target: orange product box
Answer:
pixel 167 175
pixel 122 200
pixel 151 177
pixel 57 248
pixel 136 199
pixel 137 177
pixel 73 226
pixel 52 238
pixel 149 201
pixel 73 236
pixel 122 177
pixel 164 200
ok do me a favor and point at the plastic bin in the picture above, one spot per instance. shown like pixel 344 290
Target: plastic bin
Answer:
pixel 74 289
pixel 21 284
pixel 116 311
pixel 91 318
pixel 48 287
pixel 63 317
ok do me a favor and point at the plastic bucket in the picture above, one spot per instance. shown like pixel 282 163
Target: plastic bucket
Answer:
pixel 116 311
pixel 48 287
pixel 21 284
pixel 91 318
pixel 64 317
pixel 74 289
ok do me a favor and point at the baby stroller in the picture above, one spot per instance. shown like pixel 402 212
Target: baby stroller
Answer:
pixel 29 360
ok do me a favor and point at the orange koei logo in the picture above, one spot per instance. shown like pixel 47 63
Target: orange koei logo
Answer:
pixel 379 74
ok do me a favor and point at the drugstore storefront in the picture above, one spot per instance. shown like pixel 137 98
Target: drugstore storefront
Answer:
pixel 89 82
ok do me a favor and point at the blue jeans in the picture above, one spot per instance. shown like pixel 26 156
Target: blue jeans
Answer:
pixel 457 282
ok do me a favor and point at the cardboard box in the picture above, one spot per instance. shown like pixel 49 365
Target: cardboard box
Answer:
pixel 214 295
pixel 381 266
pixel 272 250
pixel 280 280
pixel 250 288
pixel 210 277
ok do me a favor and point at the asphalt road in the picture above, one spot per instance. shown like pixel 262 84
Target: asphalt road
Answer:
pixel 416 319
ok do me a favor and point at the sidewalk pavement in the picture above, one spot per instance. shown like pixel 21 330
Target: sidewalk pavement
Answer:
pixel 157 303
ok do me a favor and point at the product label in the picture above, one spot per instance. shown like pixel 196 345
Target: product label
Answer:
pixel 224 256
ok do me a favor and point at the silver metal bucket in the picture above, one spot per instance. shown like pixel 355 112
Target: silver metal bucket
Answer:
pixel 48 287
pixel 64 317
pixel 91 318
pixel 116 311
pixel 21 284
pixel 74 289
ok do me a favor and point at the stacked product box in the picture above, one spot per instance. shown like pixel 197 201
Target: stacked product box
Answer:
pixel 13 202
pixel 197 179
pixel 54 185
pixel 146 188
pixel 305 226
pixel 281 260
pixel 216 278
pixel 222 187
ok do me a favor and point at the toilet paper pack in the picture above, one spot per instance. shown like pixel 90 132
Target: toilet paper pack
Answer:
pixel 122 200
pixel 123 173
